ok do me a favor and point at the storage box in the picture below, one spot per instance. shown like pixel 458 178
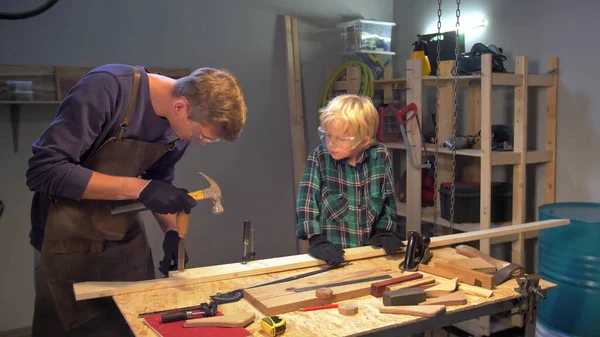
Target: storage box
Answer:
pixel 467 201
pixel 367 35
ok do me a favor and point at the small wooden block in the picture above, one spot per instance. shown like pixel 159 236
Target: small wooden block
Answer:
pixel 348 309
pixel 415 310
pixel 411 284
pixel 378 288
pixel 472 277
pixel 455 298
pixel 475 263
pixel 475 291
pixel 410 296
pixel 444 288
pixel 324 293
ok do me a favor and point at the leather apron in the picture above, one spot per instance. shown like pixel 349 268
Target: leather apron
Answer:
pixel 84 242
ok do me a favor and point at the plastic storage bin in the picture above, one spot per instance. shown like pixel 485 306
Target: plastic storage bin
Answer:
pixel 367 35
pixel 467 198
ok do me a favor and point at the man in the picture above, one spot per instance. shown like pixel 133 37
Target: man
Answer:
pixel 116 139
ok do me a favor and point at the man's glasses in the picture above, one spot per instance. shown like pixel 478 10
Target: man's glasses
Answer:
pixel 196 134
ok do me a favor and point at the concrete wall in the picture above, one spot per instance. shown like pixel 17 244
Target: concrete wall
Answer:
pixel 255 173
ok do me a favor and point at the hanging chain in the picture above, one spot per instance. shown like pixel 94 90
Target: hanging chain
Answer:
pixel 437 114
pixel 456 50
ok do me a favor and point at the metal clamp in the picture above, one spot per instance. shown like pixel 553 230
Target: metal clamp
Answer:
pixel 529 288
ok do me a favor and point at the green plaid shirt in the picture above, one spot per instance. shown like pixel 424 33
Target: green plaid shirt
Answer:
pixel 343 202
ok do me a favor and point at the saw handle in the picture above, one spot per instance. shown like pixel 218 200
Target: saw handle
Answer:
pixel 183 221
pixel 472 252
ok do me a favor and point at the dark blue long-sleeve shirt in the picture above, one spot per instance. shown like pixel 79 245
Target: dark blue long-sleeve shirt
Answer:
pixel 89 115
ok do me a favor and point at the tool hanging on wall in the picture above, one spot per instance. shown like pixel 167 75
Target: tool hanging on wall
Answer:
pixel 403 116
pixel 454 114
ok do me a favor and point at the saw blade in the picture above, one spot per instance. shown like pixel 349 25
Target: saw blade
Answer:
pixel 181 255
pixel 374 278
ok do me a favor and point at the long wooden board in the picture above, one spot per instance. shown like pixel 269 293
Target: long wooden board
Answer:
pixel 281 298
pixel 89 290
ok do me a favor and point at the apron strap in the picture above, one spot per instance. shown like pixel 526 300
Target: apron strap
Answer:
pixel 134 92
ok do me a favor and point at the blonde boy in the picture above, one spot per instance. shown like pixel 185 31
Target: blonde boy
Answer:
pixel 346 195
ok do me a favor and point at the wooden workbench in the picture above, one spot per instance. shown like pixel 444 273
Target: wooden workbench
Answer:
pixel 327 322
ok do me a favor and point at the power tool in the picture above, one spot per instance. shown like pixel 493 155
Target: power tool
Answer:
pixel 273 325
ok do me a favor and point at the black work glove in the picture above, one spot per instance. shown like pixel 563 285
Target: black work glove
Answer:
pixel 170 248
pixel 323 249
pixel 390 241
pixel 164 198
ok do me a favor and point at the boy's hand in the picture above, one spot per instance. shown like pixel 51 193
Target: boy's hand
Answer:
pixel 323 249
pixel 390 242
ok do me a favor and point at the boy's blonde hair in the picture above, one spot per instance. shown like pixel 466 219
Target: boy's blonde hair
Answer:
pixel 356 114
pixel 216 98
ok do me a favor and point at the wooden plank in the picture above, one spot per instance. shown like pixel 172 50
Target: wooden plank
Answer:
pixel 506 79
pixel 296 113
pixel 353 79
pixel 486 149
pixel 472 169
pixel 455 298
pixel 89 290
pixel 283 300
pixel 520 147
pixel 475 263
pixel 378 288
pixel 413 175
pixel 443 288
pixel 445 130
pixel 388 92
pixel 540 80
pixel 411 284
pixel 551 115
pixel 470 277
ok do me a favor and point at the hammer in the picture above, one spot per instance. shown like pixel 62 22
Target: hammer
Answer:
pixel 506 270
pixel 212 192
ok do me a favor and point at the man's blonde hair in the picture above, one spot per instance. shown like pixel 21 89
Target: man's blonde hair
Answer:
pixel 216 99
pixel 356 114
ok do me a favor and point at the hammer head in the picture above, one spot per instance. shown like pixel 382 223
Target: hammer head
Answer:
pixel 213 192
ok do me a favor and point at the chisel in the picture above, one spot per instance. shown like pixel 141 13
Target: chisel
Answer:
pixel 183 220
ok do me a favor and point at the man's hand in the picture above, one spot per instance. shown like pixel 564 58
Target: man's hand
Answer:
pixel 391 242
pixel 323 249
pixel 164 198
pixel 170 248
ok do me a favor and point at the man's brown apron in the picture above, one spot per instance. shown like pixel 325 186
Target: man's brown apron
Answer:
pixel 84 242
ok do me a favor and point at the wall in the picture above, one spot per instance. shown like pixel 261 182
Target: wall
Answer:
pixel 540 30
pixel 254 173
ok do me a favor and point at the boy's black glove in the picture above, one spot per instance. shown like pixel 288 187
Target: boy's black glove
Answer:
pixel 164 198
pixel 390 241
pixel 170 248
pixel 323 249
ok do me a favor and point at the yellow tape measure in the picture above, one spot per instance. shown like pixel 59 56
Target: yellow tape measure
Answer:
pixel 273 325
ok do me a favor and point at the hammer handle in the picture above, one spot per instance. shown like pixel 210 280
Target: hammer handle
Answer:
pixel 183 220
pixel 472 252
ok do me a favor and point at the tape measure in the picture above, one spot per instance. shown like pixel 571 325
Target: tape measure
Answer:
pixel 273 325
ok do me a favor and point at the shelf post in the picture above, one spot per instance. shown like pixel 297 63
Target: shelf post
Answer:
pixel 486 149
pixel 551 115
pixel 413 175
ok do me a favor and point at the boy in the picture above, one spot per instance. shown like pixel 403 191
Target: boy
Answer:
pixel 346 196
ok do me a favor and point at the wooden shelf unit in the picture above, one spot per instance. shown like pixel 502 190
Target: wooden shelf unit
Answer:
pixel 50 84
pixel 482 159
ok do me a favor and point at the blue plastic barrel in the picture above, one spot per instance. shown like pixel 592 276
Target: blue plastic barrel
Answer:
pixel 569 256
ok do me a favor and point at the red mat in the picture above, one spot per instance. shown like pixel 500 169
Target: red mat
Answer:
pixel 176 329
